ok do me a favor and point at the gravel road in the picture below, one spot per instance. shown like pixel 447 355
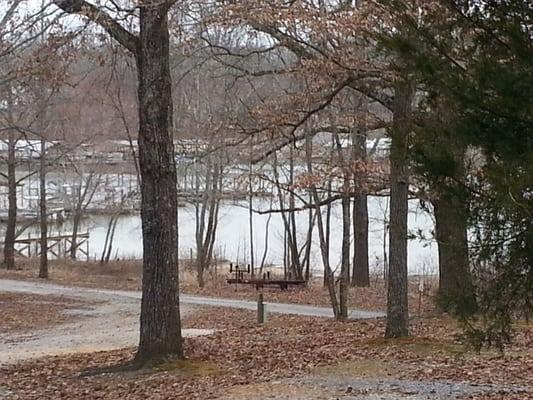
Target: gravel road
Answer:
pixel 110 322
pixel 7 285
pixel 113 321
pixel 335 387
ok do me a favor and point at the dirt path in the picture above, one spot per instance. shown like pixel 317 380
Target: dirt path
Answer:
pixel 112 322
pixel 8 285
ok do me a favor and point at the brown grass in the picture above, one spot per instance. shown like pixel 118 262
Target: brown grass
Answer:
pixel 127 275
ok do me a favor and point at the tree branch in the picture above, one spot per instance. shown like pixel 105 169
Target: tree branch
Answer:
pixel 93 13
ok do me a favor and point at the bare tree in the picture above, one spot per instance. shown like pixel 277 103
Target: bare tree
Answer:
pixel 206 205
pixel 160 327
pixel 110 235
pixel 83 193
pixel 250 210
pixel 344 278
pixel 323 235
pixel 14 135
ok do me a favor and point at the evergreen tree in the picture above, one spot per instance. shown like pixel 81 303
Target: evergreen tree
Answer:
pixel 476 57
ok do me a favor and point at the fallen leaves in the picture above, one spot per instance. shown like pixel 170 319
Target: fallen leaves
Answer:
pixel 241 353
pixel 28 312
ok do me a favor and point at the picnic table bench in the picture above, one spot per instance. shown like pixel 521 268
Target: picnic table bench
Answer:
pixel 245 276
pixel 260 283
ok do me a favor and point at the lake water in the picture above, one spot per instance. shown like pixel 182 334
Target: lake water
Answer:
pixel 232 241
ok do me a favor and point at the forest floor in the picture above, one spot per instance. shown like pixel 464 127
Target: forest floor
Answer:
pixel 106 320
pixel 290 357
pixel 24 312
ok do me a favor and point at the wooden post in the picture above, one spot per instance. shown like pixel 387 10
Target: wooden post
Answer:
pixel 261 310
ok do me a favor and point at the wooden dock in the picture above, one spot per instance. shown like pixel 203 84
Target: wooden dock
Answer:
pixel 58 245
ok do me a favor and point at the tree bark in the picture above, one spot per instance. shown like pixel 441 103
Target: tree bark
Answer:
pixel 212 226
pixel 397 303
pixel 250 212
pixel 327 238
pixel 74 240
pixel 200 210
pixel 360 273
pixel 9 240
pixel 107 237
pixel 344 278
pixel 160 327
pixel 160 334
pixel 111 238
pixel 455 280
pixel 295 266
pixel 206 216
pixel 309 240
pixel 43 264
pixel 265 251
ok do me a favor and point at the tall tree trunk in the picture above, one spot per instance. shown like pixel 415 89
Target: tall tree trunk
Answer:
pixel 456 290
pixel 309 240
pixel 344 279
pixel 111 238
pixel 290 250
pixel 160 334
pixel 107 237
pixel 160 327
pixel 296 269
pixel 360 273
pixel 323 234
pixel 265 251
pixel 200 204
pixel 76 219
pixel 9 241
pixel 214 205
pixel 75 227
pixel 43 265
pixel 397 306
pixel 328 216
pixel 327 228
pixel 206 217
pixel 251 216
